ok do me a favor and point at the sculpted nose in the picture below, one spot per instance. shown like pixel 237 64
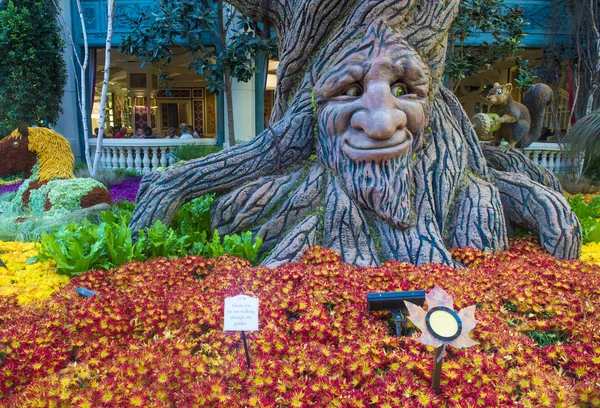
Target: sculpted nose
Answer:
pixel 381 117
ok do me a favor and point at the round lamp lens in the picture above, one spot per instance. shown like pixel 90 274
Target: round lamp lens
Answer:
pixel 444 323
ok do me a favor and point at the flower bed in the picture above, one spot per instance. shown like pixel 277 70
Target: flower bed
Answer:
pixel 28 282
pixel 125 190
pixel 154 337
pixel 10 187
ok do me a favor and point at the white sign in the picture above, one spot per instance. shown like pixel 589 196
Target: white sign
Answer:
pixel 241 313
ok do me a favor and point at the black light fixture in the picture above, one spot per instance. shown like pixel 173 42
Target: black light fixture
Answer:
pixel 394 302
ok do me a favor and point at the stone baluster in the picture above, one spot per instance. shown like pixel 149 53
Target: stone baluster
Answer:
pixel 163 157
pixel 551 161
pixel 170 158
pixel 544 161
pixel 138 159
pixel 103 158
pixel 568 163
pixel 146 159
pixel 115 158
pixel 129 151
pixel 109 158
pixel 122 158
pixel 154 158
pixel 534 156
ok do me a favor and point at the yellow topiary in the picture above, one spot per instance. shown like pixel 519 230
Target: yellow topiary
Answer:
pixel 53 151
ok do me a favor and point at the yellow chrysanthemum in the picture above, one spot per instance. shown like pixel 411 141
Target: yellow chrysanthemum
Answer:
pixel 590 253
pixel 31 283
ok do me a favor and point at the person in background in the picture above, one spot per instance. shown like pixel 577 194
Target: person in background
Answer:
pixel 148 133
pixel 139 134
pixel 185 133
pixel 96 131
pixel 120 134
pixel 194 133
pixel 171 133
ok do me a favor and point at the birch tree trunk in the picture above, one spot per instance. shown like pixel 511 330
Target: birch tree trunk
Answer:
pixel 109 34
pixel 83 89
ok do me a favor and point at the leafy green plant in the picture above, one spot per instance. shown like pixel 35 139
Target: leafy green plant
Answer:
pixel 193 218
pixel 190 152
pixel 545 338
pixel 76 248
pixel 236 245
pixel 161 241
pixel 589 217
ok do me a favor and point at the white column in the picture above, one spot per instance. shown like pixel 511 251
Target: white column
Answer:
pixel 129 151
pixel 138 159
pixel 242 94
pixel 121 157
pixel 154 158
pixel 551 161
pixel 163 157
pixel 544 162
pixel 115 158
pixel 103 157
pixel 146 160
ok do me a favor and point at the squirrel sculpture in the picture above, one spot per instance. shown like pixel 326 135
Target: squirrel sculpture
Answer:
pixel 521 124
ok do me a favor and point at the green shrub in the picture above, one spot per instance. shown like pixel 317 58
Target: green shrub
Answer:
pixel 236 245
pixel 160 241
pixel 79 247
pixel 589 215
pixel 193 218
pixel 190 152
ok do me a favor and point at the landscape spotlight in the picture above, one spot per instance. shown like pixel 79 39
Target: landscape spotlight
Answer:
pixel 394 301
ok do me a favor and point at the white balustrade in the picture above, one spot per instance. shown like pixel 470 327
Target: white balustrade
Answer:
pixel 141 155
pixel 551 156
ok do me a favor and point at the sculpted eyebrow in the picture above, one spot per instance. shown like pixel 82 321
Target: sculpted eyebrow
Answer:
pixel 344 75
pixel 408 66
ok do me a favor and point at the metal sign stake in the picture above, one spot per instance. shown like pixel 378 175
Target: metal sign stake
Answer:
pixel 246 348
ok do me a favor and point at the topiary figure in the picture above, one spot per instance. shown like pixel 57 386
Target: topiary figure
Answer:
pixel 46 159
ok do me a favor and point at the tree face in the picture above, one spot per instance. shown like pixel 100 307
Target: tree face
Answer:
pixel 372 109
pixel 358 88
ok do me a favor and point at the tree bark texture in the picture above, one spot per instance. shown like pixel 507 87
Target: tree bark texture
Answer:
pixel 514 161
pixel 274 188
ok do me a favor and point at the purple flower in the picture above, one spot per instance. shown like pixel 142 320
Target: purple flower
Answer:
pixel 9 188
pixel 125 190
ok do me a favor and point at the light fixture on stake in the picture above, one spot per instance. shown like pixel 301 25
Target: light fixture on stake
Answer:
pixel 440 325
pixel 395 302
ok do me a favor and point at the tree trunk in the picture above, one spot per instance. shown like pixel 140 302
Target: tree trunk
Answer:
pixel 83 88
pixel 441 194
pixel 109 34
pixel 229 97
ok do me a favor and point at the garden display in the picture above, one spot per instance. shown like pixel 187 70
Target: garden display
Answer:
pixel 153 336
pixel 367 152
pixel 46 160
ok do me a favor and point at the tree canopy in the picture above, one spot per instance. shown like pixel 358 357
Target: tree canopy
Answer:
pixel 32 70
pixel 480 18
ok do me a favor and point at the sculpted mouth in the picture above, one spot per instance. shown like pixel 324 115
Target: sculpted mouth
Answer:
pixel 376 150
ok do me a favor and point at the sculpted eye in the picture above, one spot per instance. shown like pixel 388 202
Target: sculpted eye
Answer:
pixel 399 90
pixel 499 92
pixel 354 91
pixel 15 144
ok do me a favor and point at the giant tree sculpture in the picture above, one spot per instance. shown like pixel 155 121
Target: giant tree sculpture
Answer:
pixel 398 173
